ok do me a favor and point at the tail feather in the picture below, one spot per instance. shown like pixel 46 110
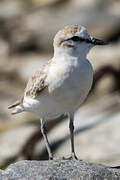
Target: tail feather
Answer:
pixel 17 110
pixel 14 104
pixel 18 107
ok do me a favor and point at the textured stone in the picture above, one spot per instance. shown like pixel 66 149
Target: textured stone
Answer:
pixel 58 170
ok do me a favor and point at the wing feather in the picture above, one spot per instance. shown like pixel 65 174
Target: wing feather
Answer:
pixel 36 83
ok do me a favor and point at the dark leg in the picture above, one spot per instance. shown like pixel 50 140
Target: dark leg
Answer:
pixel 43 130
pixel 71 127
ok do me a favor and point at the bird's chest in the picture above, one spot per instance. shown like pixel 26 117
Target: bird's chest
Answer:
pixel 61 76
pixel 70 82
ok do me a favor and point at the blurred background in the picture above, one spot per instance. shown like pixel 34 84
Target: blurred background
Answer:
pixel 27 28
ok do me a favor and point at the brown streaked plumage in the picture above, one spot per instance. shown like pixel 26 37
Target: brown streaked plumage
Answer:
pixel 36 83
pixel 66 32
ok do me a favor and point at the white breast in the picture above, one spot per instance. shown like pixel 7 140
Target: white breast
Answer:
pixel 71 88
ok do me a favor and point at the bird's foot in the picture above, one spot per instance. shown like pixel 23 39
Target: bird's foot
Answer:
pixel 50 157
pixel 72 157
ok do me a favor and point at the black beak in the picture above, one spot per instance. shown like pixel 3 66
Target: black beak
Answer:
pixel 98 42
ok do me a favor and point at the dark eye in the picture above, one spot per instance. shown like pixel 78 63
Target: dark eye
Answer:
pixel 76 38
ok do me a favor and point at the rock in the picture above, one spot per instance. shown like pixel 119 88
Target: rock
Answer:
pixel 11 8
pixel 1 174
pixel 29 31
pixel 105 55
pixel 59 170
pixel 41 3
pixel 11 142
pixel 4 49
pixel 28 61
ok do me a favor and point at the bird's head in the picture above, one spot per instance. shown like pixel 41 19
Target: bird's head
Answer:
pixel 75 41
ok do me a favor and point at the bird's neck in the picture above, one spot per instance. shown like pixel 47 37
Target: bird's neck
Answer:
pixel 66 53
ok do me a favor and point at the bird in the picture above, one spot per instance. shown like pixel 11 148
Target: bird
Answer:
pixel 63 83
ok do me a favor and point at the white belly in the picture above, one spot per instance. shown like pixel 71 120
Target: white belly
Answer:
pixel 63 95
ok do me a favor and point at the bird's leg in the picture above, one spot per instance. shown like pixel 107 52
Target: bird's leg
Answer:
pixel 71 127
pixel 43 131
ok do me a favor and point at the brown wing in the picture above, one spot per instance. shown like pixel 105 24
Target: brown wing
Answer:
pixel 36 83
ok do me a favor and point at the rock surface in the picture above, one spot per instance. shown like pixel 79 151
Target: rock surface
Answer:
pixel 58 170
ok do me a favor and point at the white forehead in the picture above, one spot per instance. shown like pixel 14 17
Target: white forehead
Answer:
pixel 83 33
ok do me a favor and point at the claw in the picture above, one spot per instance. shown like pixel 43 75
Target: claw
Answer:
pixel 72 157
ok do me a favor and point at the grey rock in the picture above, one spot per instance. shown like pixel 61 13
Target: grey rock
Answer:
pixel 1 174
pixel 58 170
pixel 31 26
pixel 11 142
pixel 9 9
